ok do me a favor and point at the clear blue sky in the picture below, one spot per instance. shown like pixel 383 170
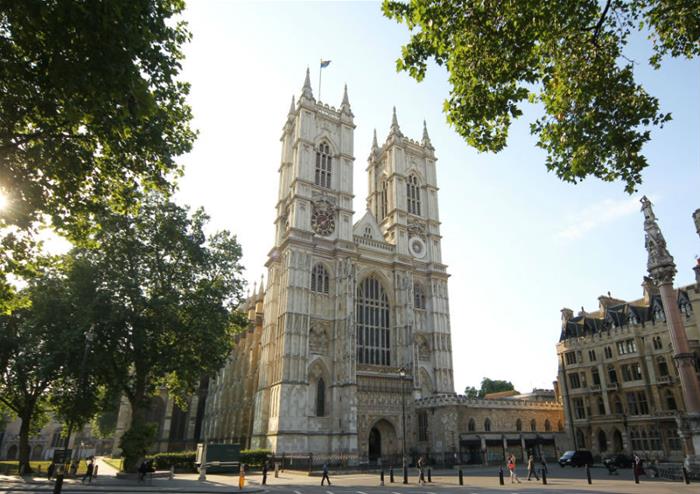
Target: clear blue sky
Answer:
pixel 519 243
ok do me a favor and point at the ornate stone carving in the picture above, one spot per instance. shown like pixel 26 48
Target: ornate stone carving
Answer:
pixel 416 230
pixel 423 348
pixel 319 337
pixel 660 263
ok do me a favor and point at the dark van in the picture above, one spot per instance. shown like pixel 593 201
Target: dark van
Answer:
pixel 576 458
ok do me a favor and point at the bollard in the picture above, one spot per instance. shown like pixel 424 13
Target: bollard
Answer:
pixel 391 474
pixel 588 473
pixel 461 477
pixel 430 478
pixel 405 474
pixel 172 472
pixel 686 479
pixel 500 475
pixel 544 476
pixel 277 469
pixel 381 477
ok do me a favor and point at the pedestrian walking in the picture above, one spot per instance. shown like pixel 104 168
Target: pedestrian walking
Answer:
pixel 88 472
pixel 264 473
pixel 143 470
pixel 325 474
pixel 531 468
pixel 421 469
pixel 511 469
pixel 51 470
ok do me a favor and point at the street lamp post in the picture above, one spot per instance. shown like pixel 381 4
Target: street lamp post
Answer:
pixel 402 373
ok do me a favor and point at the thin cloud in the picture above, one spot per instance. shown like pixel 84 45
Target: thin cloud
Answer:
pixel 597 215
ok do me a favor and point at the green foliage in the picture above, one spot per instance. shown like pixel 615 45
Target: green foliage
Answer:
pixel 568 56
pixel 494 386
pixel 255 457
pixel 183 461
pixel 471 392
pixel 92 108
pixel 135 443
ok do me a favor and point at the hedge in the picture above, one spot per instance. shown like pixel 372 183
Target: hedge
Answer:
pixel 183 461
pixel 254 457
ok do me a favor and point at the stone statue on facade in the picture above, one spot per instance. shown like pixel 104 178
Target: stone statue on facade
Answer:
pixel 660 263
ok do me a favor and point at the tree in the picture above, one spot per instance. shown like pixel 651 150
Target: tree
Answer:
pixel 566 55
pixel 488 386
pixel 39 340
pixel 91 110
pixel 162 296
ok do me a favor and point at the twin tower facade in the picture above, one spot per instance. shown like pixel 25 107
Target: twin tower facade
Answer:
pixel 353 325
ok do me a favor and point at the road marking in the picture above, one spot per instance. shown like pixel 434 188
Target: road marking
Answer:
pixel 360 492
pixel 297 492
pixel 329 492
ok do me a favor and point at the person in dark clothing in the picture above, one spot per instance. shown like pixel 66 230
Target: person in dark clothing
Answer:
pixel 325 474
pixel 264 473
pixel 531 468
pixel 88 472
pixel 51 470
pixel 143 470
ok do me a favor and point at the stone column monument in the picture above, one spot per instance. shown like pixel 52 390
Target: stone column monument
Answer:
pixel 662 270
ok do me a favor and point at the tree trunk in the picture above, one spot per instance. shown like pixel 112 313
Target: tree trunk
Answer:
pixel 140 436
pixel 24 451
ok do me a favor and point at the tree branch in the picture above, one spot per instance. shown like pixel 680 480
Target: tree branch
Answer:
pixel 599 25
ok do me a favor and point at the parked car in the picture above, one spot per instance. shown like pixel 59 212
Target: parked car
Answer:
pixel 618 460
pixel 576 458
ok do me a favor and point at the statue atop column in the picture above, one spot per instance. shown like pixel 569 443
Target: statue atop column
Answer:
pixel 696 218
pixel 660 263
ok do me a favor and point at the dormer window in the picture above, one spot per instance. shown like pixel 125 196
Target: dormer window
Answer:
pixel 413 195
pixel 659 315
pixel 368 232
pixel 323 166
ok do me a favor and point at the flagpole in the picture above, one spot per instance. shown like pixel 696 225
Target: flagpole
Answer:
pixel 320 71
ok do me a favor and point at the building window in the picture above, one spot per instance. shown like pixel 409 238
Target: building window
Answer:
pixel 591 355
pixel 487 425
pixel 612 374
pixel 662 365
pixel 372 316
pixel 596 376
pixel 422 426
pixel 57 440
pixel 608 352
pixel 518 425
pixel 547 426
pixel 570 357
pixel 533 426
pixel 658 344
pixel 674 440
pixel 617 403
pixel 383 201
pixel 323 166
pixel 637 403
pixel 659 315
pixel 413 195
pixel 579 408
pixel 601 406
pixel 320 398
pixel 418 296
pixel 560 426
pixel 631 372
pixel 686 308
pixel 368 232
pixel 319 279
pixel 574 380
pixel 670 400
pixel 472 425
pixel 626 347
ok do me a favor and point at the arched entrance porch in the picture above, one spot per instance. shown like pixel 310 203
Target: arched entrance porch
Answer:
pixel 382 442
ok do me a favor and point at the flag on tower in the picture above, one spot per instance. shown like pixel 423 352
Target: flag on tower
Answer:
pixel 325 63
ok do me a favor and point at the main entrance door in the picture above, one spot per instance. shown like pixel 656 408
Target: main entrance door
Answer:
pixel 375 445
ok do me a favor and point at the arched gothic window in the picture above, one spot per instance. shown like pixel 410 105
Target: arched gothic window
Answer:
pixel 320 397
pixel 418 296
pixel 319 279
pixel 472 425
pixel 413 195
pixel 659 315
pixel 547 426
pixel 323 165
pixel 372 316
pixel 518 425
pixel 487 425
pixel 533 425
pixel 368 232
pixel 384 210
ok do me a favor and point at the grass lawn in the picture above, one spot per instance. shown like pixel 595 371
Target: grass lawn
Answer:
pixel 114 462
pixel 39 466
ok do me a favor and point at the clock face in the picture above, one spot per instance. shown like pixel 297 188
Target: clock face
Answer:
pixel 323 218
pixel 417 247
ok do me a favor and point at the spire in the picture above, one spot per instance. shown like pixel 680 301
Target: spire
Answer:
pixel 395 130
pixel 345 105
pixel 374 140
pixel 262 284
pixel 292 108
pixel 306 90
pixel 426 138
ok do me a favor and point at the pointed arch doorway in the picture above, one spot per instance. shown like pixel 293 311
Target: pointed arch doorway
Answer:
pixel 375 445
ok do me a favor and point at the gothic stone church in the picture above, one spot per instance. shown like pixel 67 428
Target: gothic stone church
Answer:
pixel 354 319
